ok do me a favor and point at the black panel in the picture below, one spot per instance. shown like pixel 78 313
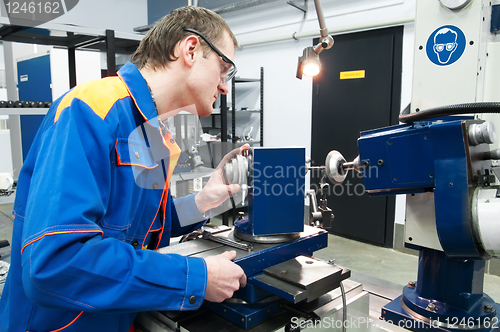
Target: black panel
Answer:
pixel 159 8
pixel 342 108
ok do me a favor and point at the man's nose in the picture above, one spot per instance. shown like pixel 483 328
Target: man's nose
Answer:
pixel 223 88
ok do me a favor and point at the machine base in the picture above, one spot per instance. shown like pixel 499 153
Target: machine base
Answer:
pixel 329 306
pixel 398 313
pixel 247 315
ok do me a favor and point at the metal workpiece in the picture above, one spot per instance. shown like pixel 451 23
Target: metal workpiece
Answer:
pixel 206 235
pixel 337 167
pixel 217 238
pixel 236 171
pixel 230 243
pixel 270 239
pixel 301 278
pixel 334 167
pixel 189 248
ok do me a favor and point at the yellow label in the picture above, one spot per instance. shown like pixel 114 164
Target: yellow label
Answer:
pixel 347 75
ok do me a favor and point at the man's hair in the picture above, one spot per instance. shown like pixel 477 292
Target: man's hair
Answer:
pixel 157 48
pixel 445 31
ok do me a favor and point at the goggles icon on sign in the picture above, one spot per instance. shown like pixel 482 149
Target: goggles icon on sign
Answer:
pixel 449 47
pixel 446 45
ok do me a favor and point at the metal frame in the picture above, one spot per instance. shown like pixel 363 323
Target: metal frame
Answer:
pixel 73 38
pixel 223 107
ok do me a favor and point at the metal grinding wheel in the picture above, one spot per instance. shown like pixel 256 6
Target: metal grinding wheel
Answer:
pixel 334 170
pixel 236 172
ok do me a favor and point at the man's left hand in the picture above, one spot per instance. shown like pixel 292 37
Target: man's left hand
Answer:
pixel 217 190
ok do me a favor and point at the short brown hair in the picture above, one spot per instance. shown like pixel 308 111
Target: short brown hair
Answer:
pixel 157 48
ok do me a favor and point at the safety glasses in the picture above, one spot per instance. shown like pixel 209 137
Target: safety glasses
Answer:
pixel 228 69
pixel 441 47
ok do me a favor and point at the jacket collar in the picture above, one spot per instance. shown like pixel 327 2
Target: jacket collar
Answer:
pixel 139 91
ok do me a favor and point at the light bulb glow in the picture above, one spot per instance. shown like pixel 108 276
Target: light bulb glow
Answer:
pixel 311 69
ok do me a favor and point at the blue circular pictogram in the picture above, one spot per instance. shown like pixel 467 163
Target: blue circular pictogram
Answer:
pixel 445 45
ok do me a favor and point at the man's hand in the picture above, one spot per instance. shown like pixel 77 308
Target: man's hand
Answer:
pixel 216 191
pixel 224 277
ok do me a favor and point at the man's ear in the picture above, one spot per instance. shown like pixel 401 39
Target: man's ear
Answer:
pixel 188 48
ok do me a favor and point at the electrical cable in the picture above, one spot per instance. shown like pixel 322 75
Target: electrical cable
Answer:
pixel 344 307
pixel 467 108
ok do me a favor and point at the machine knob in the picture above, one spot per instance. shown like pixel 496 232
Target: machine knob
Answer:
pixel 480 133
pixel 455 4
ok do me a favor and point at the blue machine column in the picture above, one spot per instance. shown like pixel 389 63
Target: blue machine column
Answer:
pixel 444 164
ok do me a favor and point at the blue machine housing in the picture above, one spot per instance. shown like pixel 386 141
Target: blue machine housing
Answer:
pixel 390 166
pixel 402 159
pixel 435 156
pixel 429 156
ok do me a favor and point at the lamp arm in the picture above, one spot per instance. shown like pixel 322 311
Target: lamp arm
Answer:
pixel 326 41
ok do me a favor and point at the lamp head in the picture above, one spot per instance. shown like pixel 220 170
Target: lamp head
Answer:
pixel 309 63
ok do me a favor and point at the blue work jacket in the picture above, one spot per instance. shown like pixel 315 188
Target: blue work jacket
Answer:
pixel 92 196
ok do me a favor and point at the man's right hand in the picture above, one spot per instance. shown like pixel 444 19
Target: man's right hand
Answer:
pixel 224 277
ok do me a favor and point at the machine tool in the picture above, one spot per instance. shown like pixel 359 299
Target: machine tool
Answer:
pixel 444 166
pixel 274 247
pixel 441 159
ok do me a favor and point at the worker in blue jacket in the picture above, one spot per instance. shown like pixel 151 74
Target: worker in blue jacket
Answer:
pixel 93 195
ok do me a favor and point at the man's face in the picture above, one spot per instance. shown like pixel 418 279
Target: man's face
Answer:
pixel 208 77
pixel 444 45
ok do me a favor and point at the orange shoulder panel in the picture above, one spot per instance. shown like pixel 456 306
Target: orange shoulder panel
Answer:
pixel 100 95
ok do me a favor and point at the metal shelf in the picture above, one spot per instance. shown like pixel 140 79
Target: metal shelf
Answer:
pixel 66 35
pixel 73 37
pixel 246 80
pixel 23 111
pixel 218 112
pixel 233 111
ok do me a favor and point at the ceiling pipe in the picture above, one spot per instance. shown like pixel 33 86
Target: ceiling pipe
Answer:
pixel 338 30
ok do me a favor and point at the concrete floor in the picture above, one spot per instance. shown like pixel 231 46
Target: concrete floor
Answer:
pixel 384 263
pixel 385 266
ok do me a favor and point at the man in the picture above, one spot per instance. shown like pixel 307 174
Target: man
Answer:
pixel 93 193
